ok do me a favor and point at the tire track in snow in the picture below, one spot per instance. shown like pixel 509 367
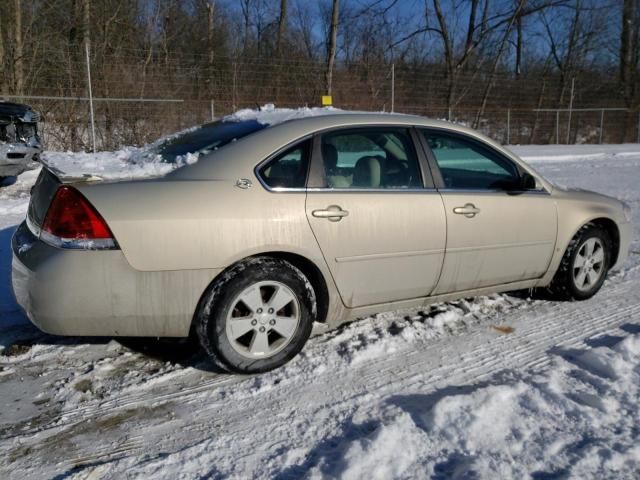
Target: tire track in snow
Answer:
pixel 537 333
pixel 421 365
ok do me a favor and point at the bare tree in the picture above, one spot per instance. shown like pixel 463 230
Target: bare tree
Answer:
pixel 305 22
pixel 496 61
pixel 458 56
pixel 569 41
pixel 333 45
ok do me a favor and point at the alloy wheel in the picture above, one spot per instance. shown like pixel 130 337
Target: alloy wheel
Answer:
pixel 263 319
pixel 588 264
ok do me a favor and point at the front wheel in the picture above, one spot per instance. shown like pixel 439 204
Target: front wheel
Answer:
pixel 584 266
pixel 257 316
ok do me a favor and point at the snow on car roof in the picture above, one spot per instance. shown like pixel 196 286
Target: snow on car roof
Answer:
pixel 270 115
pixel 136 162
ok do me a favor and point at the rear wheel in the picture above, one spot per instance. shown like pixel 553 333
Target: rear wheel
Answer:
pixel 258 316
pixel 584 266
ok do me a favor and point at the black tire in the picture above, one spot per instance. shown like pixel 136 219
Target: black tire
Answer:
pixel 221 298
pixel 564 285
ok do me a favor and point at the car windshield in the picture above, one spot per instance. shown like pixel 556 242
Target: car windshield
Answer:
pixel 205 138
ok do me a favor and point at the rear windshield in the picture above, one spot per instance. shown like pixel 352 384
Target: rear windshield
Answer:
pixel 206 138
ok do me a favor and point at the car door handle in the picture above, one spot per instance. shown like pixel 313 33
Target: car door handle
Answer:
pixel 469 210
pixel 333 213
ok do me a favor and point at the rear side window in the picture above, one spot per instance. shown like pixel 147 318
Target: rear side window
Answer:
pixel 288 169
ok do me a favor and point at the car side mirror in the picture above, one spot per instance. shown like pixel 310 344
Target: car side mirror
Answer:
pixel 527 181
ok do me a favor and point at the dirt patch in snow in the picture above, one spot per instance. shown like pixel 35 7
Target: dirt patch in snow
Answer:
pixel 16 349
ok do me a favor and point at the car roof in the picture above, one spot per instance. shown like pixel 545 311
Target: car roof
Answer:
pixel 346 118
pixel 238 159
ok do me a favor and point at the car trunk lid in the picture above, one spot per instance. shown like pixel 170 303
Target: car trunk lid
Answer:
pixel 45 188
pixel 41 195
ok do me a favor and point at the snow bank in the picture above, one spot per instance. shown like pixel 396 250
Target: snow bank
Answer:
pixel 14 197
pixel 572 153
pixel 577 419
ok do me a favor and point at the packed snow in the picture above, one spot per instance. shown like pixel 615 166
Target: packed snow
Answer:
pixel 502 386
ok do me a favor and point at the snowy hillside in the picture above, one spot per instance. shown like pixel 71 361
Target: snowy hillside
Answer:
pixel 492 387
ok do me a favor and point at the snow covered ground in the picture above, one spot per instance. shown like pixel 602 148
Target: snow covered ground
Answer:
pixel 492 387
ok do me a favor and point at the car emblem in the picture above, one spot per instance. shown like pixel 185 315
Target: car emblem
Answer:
pixel 244 183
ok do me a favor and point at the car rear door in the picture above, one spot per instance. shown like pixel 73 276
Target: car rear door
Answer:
pixel 377 218
pixel 497 232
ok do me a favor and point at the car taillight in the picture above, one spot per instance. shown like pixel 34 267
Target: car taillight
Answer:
pixel 72 222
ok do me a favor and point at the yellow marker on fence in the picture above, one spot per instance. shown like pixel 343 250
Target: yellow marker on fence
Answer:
pixel 327 100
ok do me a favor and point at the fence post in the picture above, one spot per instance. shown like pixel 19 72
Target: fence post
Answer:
pixel 570 108
pixel 508 126
pixel 93 121
pixel 393 87
pixel 213 110
pixel 601 124
pixel 638 127
pixel 233 91
pixel 557 127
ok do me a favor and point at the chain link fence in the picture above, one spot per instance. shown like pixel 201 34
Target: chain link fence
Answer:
pixel 143 97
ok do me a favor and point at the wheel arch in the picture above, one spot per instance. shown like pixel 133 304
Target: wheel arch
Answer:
pixel 306 266
pixel 609 226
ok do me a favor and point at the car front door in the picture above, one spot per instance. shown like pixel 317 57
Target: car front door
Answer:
pixel 380 227
pixel 497 231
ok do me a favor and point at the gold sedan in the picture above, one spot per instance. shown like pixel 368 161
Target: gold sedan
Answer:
pixel 311 222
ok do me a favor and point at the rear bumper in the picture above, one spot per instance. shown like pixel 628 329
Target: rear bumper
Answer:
pixel 97 292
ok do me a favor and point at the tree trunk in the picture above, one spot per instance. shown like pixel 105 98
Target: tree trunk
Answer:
pixel 448 57
pixel 18 60
pixel 211 5
pixel 3 74
pixel 519 43
pixel 331 51
pixel 471 26
pixel 86 23
pixel 247 23
pixel 282 27
pixel 628 50
pixel 534 129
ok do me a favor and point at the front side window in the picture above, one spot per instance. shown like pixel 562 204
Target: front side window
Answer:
pixel 376 158
pixel 465 164
pixel 288 169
